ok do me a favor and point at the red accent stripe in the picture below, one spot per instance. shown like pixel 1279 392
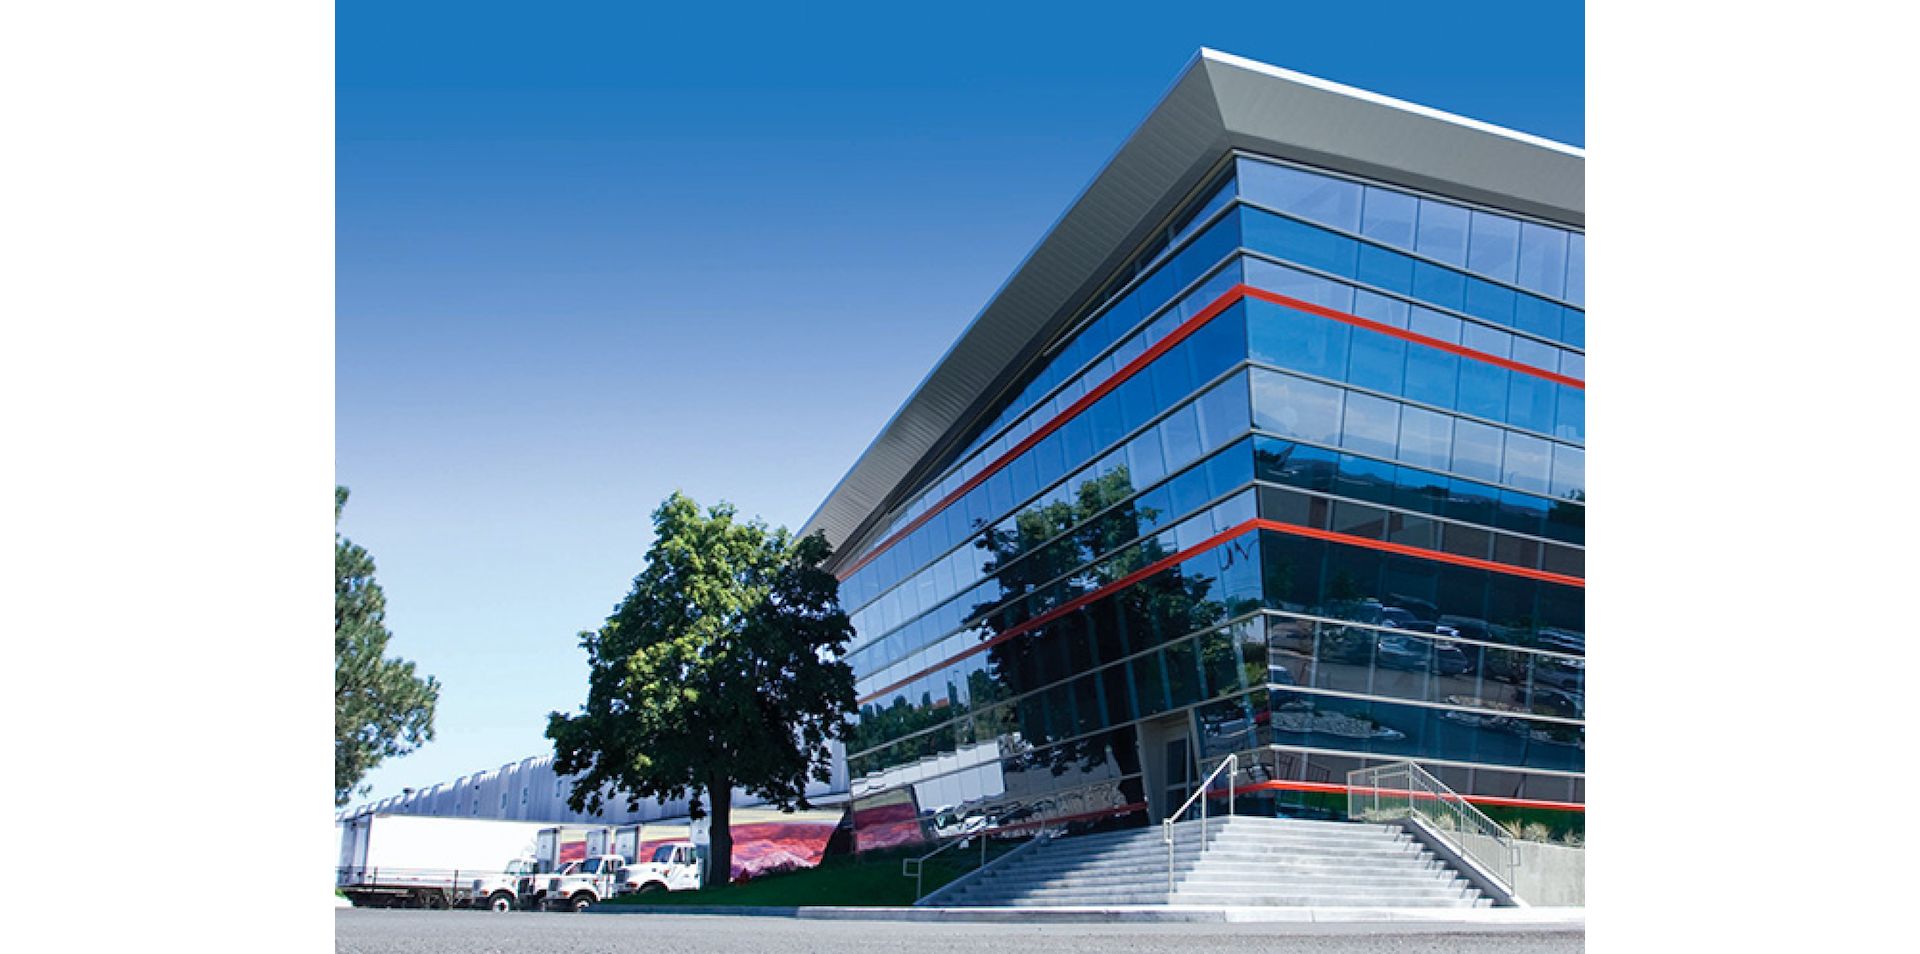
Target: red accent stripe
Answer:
pixel 1478 799
pixel 1207 544
pixel 1179 334
pixel 1405 335
pixel 1295 787
pixel 1104 388
pixel 1068 607
pixel 1423 553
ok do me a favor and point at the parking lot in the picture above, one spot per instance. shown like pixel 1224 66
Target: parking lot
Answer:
pixel 358 931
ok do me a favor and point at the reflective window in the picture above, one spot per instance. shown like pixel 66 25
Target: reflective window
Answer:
pixel 1432 376
pixel 1577 268
pixel 1433 324
pixel 1298 242
pixel 1425 437
pixel 1442 286
pixel 1295 408
pixel 1372 425
pixel 1493 245
pixel 1525 464
pixel 1296 340
pixel 1295 283
pixel 1543 259
pixel 1364 478
pixel 1466 541
pixel 1378 362
pixel 1325 199
pixel 1570 414
pixel 1573 327
pixel 1483 390
pixel 1223 411
pixel 1573 364
pixel 1359 520
pixel 1476 450
pixel 1492 302
pixel 1442 232
pixel 1419 490
pixel 1530 402
pixel 1380 308
pixel 1491 341
pixel 1569 472
pixel 1389 216
pixel 1386 269
pixel 1535 316
pixel 1180 435
pixel 1534 354
pixel 1183 678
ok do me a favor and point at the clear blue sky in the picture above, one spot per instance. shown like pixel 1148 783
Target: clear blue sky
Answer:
pixel 590 253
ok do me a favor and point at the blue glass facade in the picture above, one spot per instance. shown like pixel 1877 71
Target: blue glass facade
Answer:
pixel 1305 481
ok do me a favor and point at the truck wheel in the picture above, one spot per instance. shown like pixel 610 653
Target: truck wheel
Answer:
pixel 500 901
pixel 581 901
pixel 652 887
pixel 433 900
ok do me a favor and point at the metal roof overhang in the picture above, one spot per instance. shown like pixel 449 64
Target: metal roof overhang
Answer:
pixel 1219 103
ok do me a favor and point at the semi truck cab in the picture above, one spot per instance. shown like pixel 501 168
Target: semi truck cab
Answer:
pixel 582 884
pixel 509 890
pixel 674 867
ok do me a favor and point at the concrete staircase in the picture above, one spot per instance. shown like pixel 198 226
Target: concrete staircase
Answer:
pixel 1245 861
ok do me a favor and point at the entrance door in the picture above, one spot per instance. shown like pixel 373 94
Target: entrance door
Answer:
pixel 1166 753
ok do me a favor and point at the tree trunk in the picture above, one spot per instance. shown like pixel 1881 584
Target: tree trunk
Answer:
pixel 719 832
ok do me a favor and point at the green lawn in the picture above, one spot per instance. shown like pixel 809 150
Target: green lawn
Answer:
pixel 873 880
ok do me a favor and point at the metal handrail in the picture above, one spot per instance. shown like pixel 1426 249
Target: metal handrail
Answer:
pixel 918 865
pixel 1449 815
pixel 1166 825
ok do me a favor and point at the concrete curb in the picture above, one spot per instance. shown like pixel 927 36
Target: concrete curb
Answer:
pixel 1148 914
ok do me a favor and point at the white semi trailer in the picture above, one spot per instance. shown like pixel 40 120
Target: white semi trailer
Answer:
pixel 426 861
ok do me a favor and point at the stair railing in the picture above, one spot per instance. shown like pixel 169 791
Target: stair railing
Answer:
pixel 915 868
pixel 1232 765
pixel 1403 789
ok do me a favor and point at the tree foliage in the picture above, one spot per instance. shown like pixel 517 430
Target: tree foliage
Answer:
pixel 381 709
pixel 721 668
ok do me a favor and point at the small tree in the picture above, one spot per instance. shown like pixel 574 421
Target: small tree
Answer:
pixel 721 668
pixel 380 708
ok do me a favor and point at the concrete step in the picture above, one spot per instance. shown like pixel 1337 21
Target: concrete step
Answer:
pixel 1284 846
pixel 1223 841
pixel 1228 866
pixel 1414 878
pixel 1236 860
pixel 1286 839
pixel 1319 898
pixel 1305 823
pixel 1385 890
pixel 1225 853
pixel 1430 886
pixel 1239 823
pixel 1312 865
pixel 1430 889
pixel 1078 903
pixel 1301 867
pixel 1323 901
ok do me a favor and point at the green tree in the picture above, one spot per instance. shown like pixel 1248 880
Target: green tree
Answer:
pixel 381 709
pixel 720 669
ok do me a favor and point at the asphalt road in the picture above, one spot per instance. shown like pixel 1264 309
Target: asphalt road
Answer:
pixel 359 931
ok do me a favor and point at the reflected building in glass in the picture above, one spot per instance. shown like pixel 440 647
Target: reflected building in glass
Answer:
pixel 1273 445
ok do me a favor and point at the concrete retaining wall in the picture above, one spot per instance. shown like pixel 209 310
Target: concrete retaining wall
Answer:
pixel 1551 875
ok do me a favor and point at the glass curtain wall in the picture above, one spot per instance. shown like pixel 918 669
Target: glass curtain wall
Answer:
pixel 1307 479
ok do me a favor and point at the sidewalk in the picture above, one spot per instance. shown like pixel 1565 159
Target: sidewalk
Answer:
pixel 1149 913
